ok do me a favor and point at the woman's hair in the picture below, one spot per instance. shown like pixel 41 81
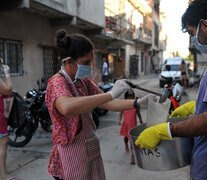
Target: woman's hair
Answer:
pixel 197 10
pixel 74 45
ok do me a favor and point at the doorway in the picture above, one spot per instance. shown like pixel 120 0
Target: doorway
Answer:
pixel 134 66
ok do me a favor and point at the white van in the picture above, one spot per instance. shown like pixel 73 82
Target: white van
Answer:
pixel 170 72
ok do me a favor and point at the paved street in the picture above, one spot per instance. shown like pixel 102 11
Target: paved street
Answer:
pixel 31 161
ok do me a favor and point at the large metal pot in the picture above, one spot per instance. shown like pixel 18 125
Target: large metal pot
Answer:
pixel 167 155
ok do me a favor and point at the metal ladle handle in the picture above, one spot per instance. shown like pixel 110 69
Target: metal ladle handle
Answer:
pixel 143 89
pixel 163 96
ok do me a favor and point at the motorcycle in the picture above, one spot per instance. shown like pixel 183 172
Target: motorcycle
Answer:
pixel 45 121
pixel 105 88
pixel 173 90
pixel 175 93
pixel 25 116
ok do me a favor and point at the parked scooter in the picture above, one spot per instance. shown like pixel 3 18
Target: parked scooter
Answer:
pixel 172 91
pixel 25 116
pixel 176 91
pixel 105 88
pixel 99 111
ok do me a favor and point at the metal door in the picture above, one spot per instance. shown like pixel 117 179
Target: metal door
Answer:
pixel 134 66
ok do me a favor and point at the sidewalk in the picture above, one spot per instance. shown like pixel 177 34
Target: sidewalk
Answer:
pixel 117 161
pixel 145 79
pixel 30 165
pixel 30 162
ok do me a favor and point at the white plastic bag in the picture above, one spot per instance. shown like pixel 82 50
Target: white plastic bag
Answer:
pixel 157 112
pixel 8 101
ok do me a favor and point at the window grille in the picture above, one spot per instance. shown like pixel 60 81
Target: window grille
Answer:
pixel 11 53
pixel 50 61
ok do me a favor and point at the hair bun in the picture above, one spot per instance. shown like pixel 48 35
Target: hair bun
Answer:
pixel 61 37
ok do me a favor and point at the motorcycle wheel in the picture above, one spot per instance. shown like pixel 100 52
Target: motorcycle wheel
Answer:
pixel 95 119
pixel 46 124
pixel 100 111
pixel 19 137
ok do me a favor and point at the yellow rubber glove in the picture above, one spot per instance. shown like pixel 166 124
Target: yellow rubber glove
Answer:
pixel 150 137
pixel 184 110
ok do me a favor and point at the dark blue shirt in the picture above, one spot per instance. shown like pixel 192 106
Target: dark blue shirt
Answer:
pixel 199 156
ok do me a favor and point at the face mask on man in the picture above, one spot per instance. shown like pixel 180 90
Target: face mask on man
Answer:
pixel 194 39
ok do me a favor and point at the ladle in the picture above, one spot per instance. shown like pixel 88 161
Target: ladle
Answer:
pixel 163 95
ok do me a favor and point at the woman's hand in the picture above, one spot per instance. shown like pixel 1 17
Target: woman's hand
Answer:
pixel 119 87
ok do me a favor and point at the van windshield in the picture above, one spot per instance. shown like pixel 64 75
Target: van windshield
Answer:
pixel 173 67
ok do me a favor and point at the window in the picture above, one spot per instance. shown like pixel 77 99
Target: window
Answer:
pixel 11 52
pixel 173 67
pixel 51 62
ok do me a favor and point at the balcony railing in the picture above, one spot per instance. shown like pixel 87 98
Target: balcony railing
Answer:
pixel 143 35
pixel 117 26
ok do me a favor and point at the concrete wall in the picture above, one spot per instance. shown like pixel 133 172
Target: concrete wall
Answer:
pixel 91 11
pixel 33 30
pixel 88 10
pixel 66 6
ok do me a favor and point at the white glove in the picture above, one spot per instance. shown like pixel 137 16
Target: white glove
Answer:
pixel 144 100
pixel 119 87
pixel 6 70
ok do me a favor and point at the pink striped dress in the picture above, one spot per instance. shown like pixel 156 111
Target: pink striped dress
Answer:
pixel 75 153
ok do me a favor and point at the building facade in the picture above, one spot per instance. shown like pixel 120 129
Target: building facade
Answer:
pixel 126 32
pixel 140 29
pixel 27 32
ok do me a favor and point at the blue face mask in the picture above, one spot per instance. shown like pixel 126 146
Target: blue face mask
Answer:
pixel 83 71
pixel 194 39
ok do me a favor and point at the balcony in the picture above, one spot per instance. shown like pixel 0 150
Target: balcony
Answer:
pixel 63 13
pixel 143 36
pixel 142 6
pixel 53 8
pixel 12 4
pixel 117 26
pixel 162 45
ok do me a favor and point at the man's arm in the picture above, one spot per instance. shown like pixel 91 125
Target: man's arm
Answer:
pixel 193 126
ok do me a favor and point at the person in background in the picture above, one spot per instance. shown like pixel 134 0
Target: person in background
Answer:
pixel 71 95
pixel 183 76
pixel 194 21
pixel 105 71
pixel 5 90
pixel 128 120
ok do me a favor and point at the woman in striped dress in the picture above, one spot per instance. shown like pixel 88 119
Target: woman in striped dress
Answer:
pixel 70 96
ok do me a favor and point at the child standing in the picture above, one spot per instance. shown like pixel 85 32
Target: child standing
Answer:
pixel 129 121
